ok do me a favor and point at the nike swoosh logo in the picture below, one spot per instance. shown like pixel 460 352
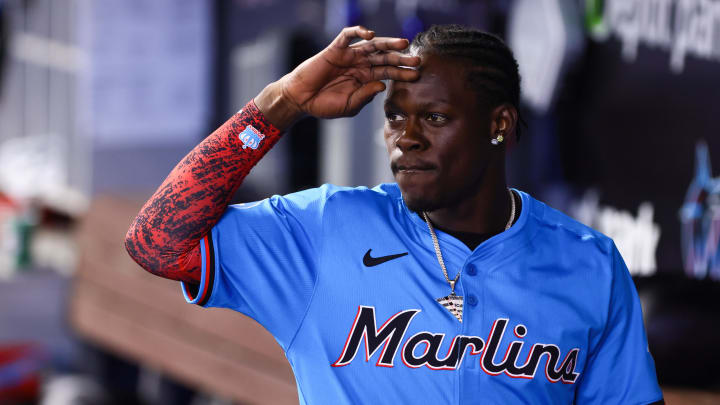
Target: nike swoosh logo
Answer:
pixel 370 261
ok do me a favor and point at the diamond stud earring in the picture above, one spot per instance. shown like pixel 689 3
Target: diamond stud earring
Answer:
pixel 498 139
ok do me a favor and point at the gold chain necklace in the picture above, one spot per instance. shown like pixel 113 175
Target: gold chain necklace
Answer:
pixel 454 302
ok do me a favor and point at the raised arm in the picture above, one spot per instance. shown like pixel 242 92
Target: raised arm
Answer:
pixel 337 82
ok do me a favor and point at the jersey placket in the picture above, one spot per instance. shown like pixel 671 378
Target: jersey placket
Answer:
pixel 469 377
pixel 456 253
pixel 470 285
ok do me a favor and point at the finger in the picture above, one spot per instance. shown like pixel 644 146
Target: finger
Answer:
pixel 382 44
pixel 393 73
pixel 364 95
pixel 393 58
pixel 349 33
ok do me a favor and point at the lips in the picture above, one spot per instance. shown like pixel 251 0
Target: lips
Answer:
pixel 415 166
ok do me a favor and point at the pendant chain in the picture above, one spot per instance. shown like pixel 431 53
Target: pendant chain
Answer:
pixel 436 244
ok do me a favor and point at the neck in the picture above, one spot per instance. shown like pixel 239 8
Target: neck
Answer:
pixel 485 211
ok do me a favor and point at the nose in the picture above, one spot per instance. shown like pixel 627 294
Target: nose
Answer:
pixel 411 138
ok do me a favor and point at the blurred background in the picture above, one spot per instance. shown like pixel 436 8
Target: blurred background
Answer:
pixel 100 98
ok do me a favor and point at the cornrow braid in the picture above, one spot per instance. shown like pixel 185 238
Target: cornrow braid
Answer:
pixel 494 70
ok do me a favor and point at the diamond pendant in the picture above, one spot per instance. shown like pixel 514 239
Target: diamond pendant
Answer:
pixel 454 304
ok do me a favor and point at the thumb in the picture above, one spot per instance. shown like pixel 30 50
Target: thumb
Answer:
pixel 364 95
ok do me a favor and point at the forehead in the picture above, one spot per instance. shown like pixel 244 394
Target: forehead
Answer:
pixel 442 79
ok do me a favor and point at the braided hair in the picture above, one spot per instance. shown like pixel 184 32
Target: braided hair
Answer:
pixel 494 70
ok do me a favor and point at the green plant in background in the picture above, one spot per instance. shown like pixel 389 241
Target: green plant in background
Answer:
pixel 24 227
pixel 595 19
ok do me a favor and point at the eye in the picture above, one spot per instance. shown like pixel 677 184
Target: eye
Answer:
pixel 437 118
pixel 392 116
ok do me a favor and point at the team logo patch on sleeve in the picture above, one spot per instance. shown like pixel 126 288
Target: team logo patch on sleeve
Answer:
pixel 251 137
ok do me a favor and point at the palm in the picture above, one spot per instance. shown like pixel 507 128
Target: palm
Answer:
pixel 334 99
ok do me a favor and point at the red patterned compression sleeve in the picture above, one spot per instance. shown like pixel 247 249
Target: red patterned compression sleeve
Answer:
pixel 164 237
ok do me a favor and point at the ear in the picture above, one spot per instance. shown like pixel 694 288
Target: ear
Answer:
pixel 503 120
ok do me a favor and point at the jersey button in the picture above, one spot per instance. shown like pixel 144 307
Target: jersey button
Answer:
pixel 471 270
pixel 472 300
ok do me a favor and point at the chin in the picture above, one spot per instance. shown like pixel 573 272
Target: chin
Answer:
pixel 420 203
pixel 420 196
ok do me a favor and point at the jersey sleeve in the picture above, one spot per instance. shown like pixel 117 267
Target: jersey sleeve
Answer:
pixel 620 368
pixel 261 259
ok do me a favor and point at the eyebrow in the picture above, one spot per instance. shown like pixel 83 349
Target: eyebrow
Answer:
pixel 389 105
pixel 427 105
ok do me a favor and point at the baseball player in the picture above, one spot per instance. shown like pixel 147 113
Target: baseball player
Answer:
pixel 446 287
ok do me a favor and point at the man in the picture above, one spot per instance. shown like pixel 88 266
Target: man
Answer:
pixel 446 287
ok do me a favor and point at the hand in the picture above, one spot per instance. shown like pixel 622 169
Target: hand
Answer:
pixel 340 80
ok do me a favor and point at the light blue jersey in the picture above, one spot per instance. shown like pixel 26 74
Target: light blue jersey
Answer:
pixel 346 279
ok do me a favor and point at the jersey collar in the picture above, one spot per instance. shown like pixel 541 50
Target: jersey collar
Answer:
pixel 517 236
